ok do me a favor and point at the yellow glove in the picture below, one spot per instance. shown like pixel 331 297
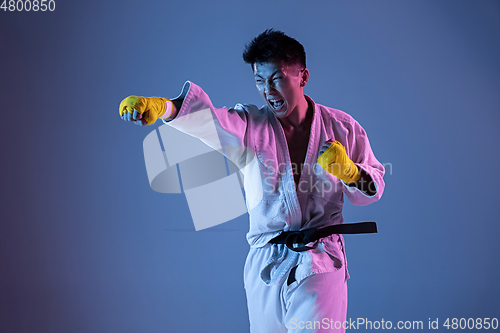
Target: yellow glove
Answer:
pixel 336 162
pixel 149 108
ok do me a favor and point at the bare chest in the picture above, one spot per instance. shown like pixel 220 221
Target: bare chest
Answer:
pixel 297 148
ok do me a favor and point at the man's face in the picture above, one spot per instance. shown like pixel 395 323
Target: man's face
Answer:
pixel 281 85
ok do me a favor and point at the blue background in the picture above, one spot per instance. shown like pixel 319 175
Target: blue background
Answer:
pixel 87 246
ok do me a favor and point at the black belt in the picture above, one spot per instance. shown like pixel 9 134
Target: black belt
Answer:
pixel 297 240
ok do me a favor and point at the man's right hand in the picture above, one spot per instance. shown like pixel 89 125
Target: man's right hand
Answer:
pixel 143 110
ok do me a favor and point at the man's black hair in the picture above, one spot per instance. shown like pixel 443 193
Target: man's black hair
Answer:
pixel 273 45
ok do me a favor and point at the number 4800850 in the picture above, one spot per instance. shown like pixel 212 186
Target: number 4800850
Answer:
pixel 28 5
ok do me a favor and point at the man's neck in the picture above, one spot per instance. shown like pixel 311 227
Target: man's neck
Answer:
pixel 298 119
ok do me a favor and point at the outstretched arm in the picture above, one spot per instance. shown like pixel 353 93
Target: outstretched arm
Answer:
pixel 193 113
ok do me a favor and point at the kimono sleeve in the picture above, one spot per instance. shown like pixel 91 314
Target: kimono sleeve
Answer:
pixel 217 127
pixel 361 154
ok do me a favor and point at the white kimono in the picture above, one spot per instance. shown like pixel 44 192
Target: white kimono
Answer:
pixel 275 205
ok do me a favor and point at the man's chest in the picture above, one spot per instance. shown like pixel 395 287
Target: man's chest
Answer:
pixel 297 142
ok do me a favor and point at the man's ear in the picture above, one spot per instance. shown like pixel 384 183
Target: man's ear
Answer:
pixel 304 77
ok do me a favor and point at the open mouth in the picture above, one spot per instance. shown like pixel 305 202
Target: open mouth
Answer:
pixel 277 104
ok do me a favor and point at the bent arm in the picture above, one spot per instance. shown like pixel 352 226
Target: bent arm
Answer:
pixel 370 186
pixel 365 184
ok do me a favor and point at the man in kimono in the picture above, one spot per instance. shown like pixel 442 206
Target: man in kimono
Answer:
pixel 307 156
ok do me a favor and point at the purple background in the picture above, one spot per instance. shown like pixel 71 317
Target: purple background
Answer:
pixel 86 245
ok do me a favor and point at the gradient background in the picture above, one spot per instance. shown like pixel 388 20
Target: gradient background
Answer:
pixel 86 245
